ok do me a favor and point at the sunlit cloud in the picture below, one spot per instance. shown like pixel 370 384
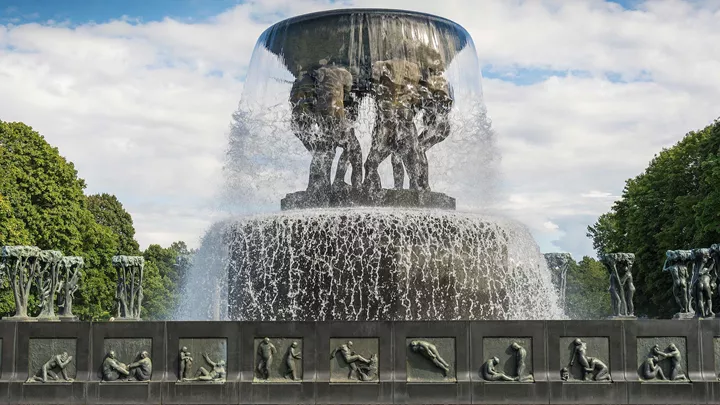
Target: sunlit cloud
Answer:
pixel 581 93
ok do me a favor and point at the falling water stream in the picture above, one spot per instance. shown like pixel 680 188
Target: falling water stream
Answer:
pixel 363 263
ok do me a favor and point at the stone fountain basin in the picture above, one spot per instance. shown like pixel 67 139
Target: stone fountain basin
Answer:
pixel 367 264
pixel 356 38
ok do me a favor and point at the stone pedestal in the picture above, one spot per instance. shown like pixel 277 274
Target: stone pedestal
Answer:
pixel 18 319
pixel 345 197
pixel 622 318
pixel 48 319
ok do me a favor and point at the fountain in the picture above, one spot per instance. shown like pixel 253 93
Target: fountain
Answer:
pixel 375 84
pixel 354 101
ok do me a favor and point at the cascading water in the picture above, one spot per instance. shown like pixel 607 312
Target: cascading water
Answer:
pixel 558 264
pixel 388 264
pixel 383 85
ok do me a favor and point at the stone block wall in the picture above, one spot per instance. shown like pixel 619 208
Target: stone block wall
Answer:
pixel 389 366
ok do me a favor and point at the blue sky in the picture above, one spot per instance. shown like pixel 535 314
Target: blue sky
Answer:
pixel 77 12
pixel 99 11
pixel 81 11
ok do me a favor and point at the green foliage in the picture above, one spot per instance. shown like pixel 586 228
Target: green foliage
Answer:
pixel 586 291
pixel 48 209
pixel 42 203
pixel 42 189
pixel 165 270
pixel 605 234
pixel 12 230
pixel 109 212
pixel 159 299
pixel 674 204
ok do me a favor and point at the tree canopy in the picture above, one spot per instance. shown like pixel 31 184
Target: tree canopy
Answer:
pixel 42 203
pixel 109 212
pixel 165 272
pixel 586 294
pixel 673 204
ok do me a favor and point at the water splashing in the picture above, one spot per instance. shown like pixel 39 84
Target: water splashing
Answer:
pixel 363 263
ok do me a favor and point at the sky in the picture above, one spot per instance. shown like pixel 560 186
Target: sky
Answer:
pixel 139 94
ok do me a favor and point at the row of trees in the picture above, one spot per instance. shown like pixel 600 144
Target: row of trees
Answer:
pixel 673 204
pixel 42 203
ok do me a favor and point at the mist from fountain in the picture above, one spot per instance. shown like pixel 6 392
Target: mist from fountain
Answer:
pixel 364 263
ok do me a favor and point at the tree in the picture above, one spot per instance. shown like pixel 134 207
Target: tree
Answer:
pixel 586 295
pixel 673 204
pixel 42 203
pixel 165 273
pixel 109 212
pixel 605 234
pixel 12 231
pixel 46 197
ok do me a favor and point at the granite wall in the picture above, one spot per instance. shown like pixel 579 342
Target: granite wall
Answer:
pixel 384 363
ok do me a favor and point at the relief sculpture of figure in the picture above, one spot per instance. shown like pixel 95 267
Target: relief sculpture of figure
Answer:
pixel 141 370
pixel 520 355
pixel 217 372
pixel 353 360
pixel 186 361
pixel 651 369
pixel 490 374
pixel 591 366
pixel 703 283
pixel 673 354
pixel 266 350
pixel 430 352
pixel 293 353
pixel 112 369
pixel 676 264
pixel 369 371
pixel 46 372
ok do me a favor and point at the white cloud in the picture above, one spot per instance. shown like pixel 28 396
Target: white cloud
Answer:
pixel 598 194
pixel 143 113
